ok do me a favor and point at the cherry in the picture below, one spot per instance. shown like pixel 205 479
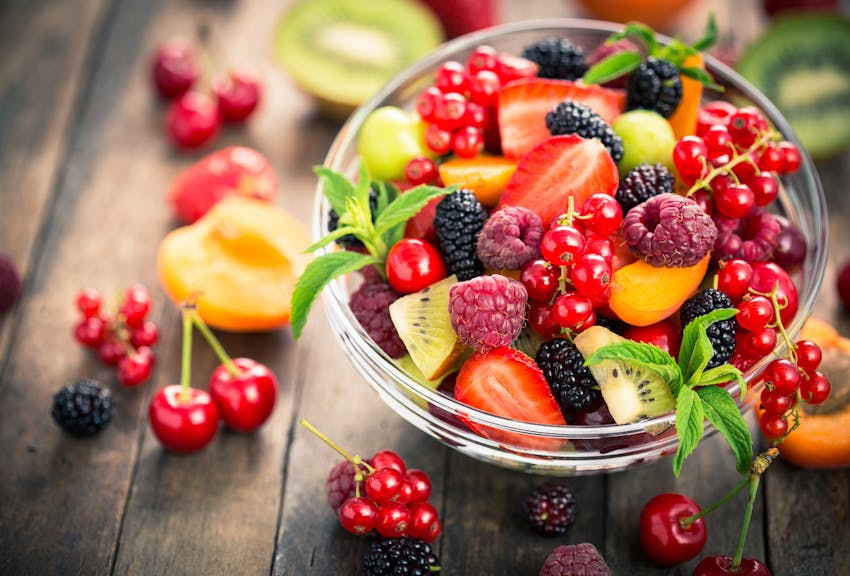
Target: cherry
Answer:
pixel 245 392
pixel 722 566
pixel 562 245
pixel 90 331
pixel 174 68
pixel 393 519
pixel 664 334
pixel 89 302
pixel 420 170
pixel 424 522
pixel 384 484
pixel 238 94
pixel 414 264
pixel 815 389
pixel 601 214
pixel 135 367
pixel 358 515
pixel 388 459
pixel 540 280
pixel 665 538
pixel 192 121
pixel 183 419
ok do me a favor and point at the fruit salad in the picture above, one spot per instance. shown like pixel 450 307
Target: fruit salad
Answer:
pixel 575 237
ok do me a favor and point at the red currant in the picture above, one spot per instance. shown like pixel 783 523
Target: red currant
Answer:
pixel 603 213
pixel 717 140
pixel 384 484
pixel 484 88
pixel 540 279
pixel 90 331
pixel 791 157
pixel 510 67
pixel 450 111
pixel 815 389
pixel 562 245
pixel 137 304
pixel 542 321
pixel 703 198
pixel 388 459
pixel 192 120
pixel 765 187
pixel 451 77
pixel 772 159
pixel 783 375
pixel 476 115
pixel 420 170
pixel 467 141
pixel 773 426
pixel 663 536
pixel 427 103
pixel 748 168
pixel 714 113
pixel 735 201
pixel 89 302
pixel 111 351
pixel 759 343
pixel 745 125
pixel 438 139
pixel 392 520
pixel 238 94
pixel 734 278
pixel 358 515
pixel 175 68
pixel 135 368
pixel 482 58
pixel 768 276
pixel 775 403
pixel 414 264
pixel 572 310
pixel 591 275
pixel 145 335
pixel 809 355
pixel 424 522
pixel 419 486
pixel 689 155
pixel 600 246
pixel 755 313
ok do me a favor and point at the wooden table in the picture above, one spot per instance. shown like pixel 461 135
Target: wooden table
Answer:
pixel 84 169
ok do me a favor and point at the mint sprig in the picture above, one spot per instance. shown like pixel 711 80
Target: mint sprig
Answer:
pixel 378 232
pixel 697 396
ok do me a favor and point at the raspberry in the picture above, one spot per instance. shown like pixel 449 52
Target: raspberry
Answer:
pixel 574 118
pixel 10 283
pixel 550 509
pixel 370 304
pixel 457 223
pixel 82 409
pixel 340 484
pixel 575 560
pixel 571 382
pixel 400 557
pixel 669 230
pixel 722 333
pixel 656 86
pixel 752 238
pixel 642 183
pixel 510 238
pixel 557 58
pixel 487 311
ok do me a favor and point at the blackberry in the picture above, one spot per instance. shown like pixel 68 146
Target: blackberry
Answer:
pixel 400 557
pixel 642 183
pixel 615 325
pixel 349 240
pixel 571 382
pixel 557 58
pixel 550 509
pixel 656 86
pixel 82 409
pixel 573 118
pixel 458 222
pixel 722 333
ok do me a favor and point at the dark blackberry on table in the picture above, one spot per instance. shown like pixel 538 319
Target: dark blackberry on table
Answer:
pixel 656 86
pixel 400 557
pixel 570 117
pixel 557 58
pixel 457 223
pixel 83 408
pixel 642 183
pixel 722 333
pixel 571 382
pixel 550 509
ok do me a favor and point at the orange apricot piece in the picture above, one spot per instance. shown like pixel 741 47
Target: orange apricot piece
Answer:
pixel 643 294
pixel 239 262
pixel 684 119
pixel 486 176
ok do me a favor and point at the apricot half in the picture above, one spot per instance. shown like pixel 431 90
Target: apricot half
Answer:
pixel 643 294
pixel 240 262
pixel 486 176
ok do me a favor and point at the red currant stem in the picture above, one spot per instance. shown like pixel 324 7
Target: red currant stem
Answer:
pixel 738 159
pixel 355 460
pixel 795 415
pixel 686 522
pixel 223 357
pixel 571 214
pixel 186 311
pixel 562 282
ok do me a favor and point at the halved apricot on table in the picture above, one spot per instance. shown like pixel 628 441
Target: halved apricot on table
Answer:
pixel 240 262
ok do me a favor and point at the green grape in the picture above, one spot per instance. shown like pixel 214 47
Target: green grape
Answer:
pixel 647 139
pixel 388 140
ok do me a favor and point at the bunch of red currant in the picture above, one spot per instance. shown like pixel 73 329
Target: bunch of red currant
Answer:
pixel 193 119
pixel 123 338
pixel 574 275
pixel 460 108
pixel 381 495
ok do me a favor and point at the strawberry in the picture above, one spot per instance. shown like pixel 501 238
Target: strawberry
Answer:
pixel 507 383
pixel 461 16
pixel 523 105
pixel 230 171
pixel 560 167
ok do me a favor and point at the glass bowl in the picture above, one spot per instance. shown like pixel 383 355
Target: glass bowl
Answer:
pixel 547 449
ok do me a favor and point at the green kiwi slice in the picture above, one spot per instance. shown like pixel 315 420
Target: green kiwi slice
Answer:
pixel 802 64
pixel 343 51
pixel 630 391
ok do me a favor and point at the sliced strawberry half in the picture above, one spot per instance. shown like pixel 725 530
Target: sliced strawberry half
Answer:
pixel 507 383
pixel 560 167
pixel 523 105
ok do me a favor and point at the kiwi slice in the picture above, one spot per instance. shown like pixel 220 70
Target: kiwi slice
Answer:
pixel 802 64
pixel 630 391
pixel 343 51
pixel 528 342
pixel 424 325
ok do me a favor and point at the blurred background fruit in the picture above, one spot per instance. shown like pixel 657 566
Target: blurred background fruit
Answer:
pixel 658 13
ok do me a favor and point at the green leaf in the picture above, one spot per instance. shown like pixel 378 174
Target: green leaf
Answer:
pixel 695 350
pixel 362 189
pixel 641 32
pixel 387 192
pixel 612 67
pixel 702 77
pixel 316 276
pixel 644 355
pixel 407 205
pixel 336 187
pixel 709 37
pixel 689 425
pixel 676 52
pixel 720 409
pixel 330 237
pixel 720 375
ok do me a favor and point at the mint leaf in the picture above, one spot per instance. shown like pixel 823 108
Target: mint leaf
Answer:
pixel 407 205
pixel 336 187
pixel 644 355
pixel 612 67
pixel 720 409
pixel 386 194
pixel 316 276
pixel 709 37
pixel 720 375
pixel 362 189
pixel 689 425
pixel 330 237
pixel 695 350
pixel 701 76
pixel 641 32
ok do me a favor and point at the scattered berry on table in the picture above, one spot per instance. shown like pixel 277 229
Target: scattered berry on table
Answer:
pixel 487 311
pixel 571 382
pixel 83 408
pixel 557 58
pixel 550 509
pixel 669 230
pixel 721 333
pixel 722 566
pixel 400 557
pixel 642 183
pixel 656 86
pixel 174 68
pixel 574 118
pixel 370 304
pixel 340 484
pixel 238 94
pixel 510 238
pixel 459 220
pixel 575 560
pixel 192 120
pixel 665 539
pixel 11 287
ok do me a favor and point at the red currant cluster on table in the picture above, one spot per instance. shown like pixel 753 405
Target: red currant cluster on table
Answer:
pixel 194 118
pixel 123 338
pixel 380 495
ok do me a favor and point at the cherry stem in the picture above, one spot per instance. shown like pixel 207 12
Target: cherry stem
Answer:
pixel 355 460
pixel 748 513
pixel 186 310
pixel 223 357
pixel 686 522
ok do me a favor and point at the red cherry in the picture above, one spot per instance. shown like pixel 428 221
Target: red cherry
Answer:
pixel 384 484
pixel 88 302
pixel 414 264
pixel 358 515
pixel 192 121
pixel 663 537
pixel 424 522
pixel 721 566
pixel 393 520
pixel 388 459
pixel 238 94
pixel 135 368
pixel 174 68
pixel 183 422
pixel 664 334
pixel 245 400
